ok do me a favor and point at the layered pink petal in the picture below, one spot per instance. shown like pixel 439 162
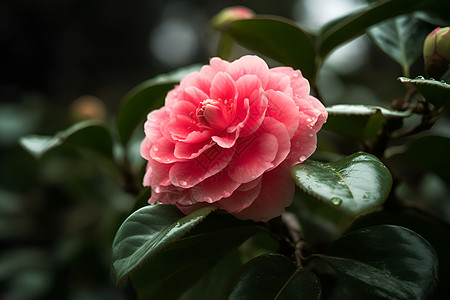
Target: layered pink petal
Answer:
pixel 277 192
pixel 249 64
pixel 253 156
pixel 191 150
pixel 189 173
pixel 299 84
pixel 283 109
pixel 214 188
pixel 223 87
pixel 278 130
pixel 194 95
pixel 240 200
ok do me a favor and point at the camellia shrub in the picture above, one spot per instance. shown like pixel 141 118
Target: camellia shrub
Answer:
pixel 254 188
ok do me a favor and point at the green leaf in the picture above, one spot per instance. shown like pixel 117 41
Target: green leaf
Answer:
pixel 89 134
pixel 389 262
pixel 436 92
pixel 356 184
pixel 359 121
pixel 187 260
pixel 213 283
pixel 146 97
pixel 429 153
pixel 148 231
pixel 401 39
pixel 348 27
pixel 274 276
pixel 279 39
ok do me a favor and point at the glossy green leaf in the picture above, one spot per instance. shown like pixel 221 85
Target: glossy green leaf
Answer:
pixel 348 27
pixel 389 262
pixel 401 38
pixel 356 184
pixel 279 39
pixel 436 92
pixel 146 97
pixel 359 121
pixel 148 231
pixel 187 260
pixel 274 276
pixel 89 134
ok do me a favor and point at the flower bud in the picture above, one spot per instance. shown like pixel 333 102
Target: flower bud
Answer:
pixel 230 14
pixel 436 52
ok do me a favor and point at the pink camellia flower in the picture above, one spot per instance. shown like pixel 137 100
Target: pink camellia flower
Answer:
pixel 227 137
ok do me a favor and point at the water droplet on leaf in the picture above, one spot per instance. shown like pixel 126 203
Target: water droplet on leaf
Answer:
pixel 420 77
pixel 336 201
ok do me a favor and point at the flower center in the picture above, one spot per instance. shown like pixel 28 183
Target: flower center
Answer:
pixel 213 113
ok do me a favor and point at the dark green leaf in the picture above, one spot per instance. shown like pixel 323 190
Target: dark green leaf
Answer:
pixel 428 153
pixel 436 92
pixel 389 262
pixel 356 184
pixel 348 27
pixel 148 231
pixel 144 98
pixel 279 39
pixel 274 276
pixel 90 134
pixel 188 260
pixel 401 38
pixel 213 283
pixel 359 121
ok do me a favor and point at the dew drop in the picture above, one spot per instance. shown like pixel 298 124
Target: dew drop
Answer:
pixel 157 189
pixel 309 120
pixel 336 201
pixel 156 149
pixel 310 135
pixel 295 75
pixel 420 77
pixel 226 194
pixel 302 158
pixel 183 183
pixel 207 199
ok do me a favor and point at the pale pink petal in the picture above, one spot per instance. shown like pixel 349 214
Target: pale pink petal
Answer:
pixel 145 148
pixel 223 87
pixel 198 80
pixel 157 174
pixel 249 64
pixel 299 84
pixel 240 200
pixel 162 151
pixel 279 82
pixel 253 156
pixel 304 142
pixel 152 127
pixel 276 193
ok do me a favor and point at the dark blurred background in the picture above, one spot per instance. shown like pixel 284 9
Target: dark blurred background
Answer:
pixel 58 215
